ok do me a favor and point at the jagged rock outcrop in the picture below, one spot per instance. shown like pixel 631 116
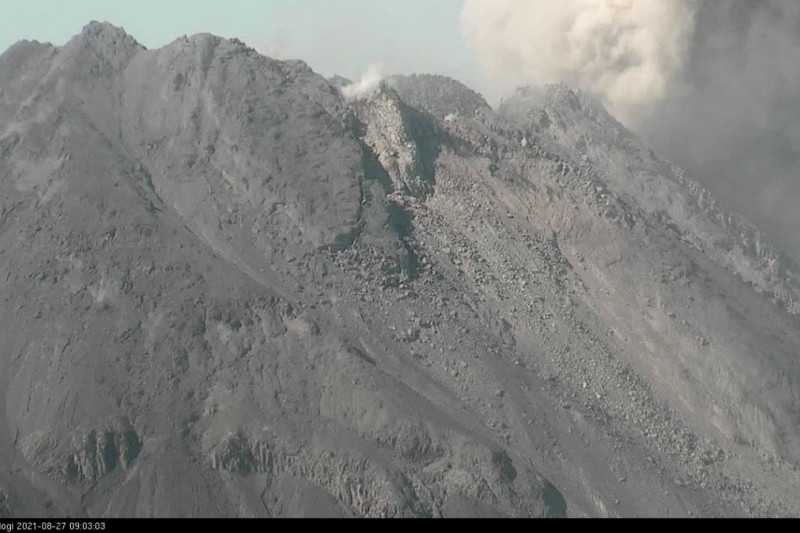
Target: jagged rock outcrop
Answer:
pixel 229 291
pixel 402 139
pixel 87 455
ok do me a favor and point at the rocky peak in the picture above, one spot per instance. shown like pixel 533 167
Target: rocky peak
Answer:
pixel 105 33
pixel 106 41
pixel 440 96
pixel 558 107
pixel 400 137
pixel 20 50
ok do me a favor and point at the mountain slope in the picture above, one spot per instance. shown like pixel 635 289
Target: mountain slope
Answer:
pixel 229 292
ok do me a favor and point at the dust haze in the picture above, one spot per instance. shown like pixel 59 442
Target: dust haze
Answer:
pixel 715 86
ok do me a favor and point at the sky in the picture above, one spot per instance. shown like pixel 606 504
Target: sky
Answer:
pixel 334 36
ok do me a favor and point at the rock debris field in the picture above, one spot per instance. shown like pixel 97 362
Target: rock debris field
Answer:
pixel 229 291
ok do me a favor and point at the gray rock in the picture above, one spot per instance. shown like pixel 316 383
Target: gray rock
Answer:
pixel 213 301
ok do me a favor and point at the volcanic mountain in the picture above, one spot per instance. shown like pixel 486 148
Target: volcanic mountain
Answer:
pixel 227 290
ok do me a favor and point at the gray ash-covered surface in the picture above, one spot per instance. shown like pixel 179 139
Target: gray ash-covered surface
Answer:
pixel 227 291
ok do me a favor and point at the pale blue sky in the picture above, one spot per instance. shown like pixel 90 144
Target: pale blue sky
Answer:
pixel 341 36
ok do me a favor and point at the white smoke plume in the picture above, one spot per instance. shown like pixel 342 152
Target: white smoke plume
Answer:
pixel 628 52
pixel 366 85
pixel 712 84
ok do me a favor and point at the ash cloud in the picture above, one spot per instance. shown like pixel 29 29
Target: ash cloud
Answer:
pixel 714 85
pixel 628 52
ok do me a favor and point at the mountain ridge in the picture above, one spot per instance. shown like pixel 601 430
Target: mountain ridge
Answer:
pixel 230 292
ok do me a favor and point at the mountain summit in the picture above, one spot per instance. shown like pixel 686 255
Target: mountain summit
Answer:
pixel 229 291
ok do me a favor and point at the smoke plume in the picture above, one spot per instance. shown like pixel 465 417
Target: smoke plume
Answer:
pixel 366 85
pixel 712 84
pixel 630 52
